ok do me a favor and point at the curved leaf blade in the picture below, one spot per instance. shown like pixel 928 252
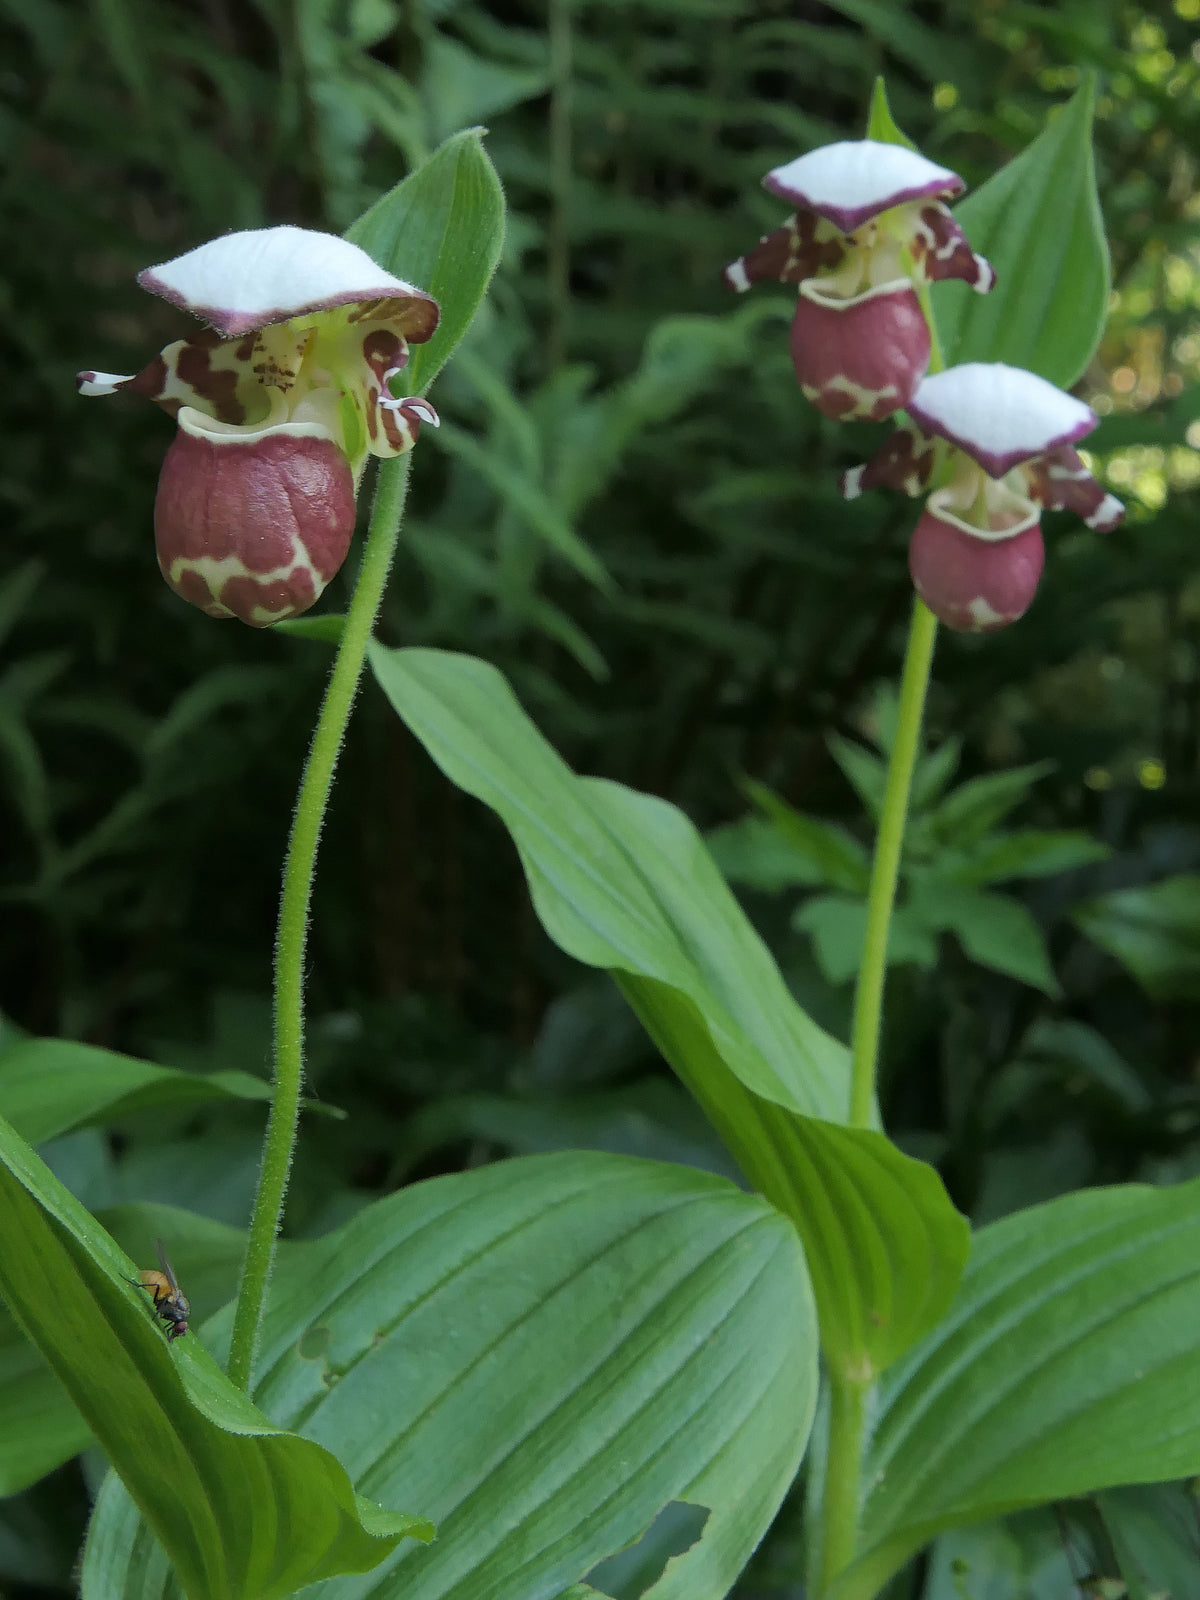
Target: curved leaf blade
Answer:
pixel 49 1086
pixel 884 1246
pixel 541 1353
pixel 1038 222
pixel 213 1476
pixel 40 1427
pixel 600 881
pixel 441 228
pixel 622 881
pixel 1067 1365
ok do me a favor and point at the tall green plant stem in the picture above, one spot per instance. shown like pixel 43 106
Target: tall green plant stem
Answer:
pixel 292 934
pixel 843 1463
pixel 868 993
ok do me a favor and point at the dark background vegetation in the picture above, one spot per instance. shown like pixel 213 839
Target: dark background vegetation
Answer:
pixel 739 612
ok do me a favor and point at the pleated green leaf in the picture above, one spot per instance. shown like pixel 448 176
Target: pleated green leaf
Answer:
pixel 1038 222
pixel 49 1086
pixel 540 1354
pixel 622 881
pixel 441 228
pixel 885 1247
pixel 593 853
pixel 1066 1365
pixel 243 1509
pixel 40 1427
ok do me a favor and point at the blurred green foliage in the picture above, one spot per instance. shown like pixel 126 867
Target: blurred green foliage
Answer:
pixel 631 512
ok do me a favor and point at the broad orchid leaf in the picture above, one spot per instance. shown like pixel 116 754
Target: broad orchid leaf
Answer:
pixel 885 1248
pixel 1038 222
pixel 1066 1365
pixel 540 1354
pixel 441 228
pixel 40 1427
pixel 594 854
pixel 49 1086
pixel 212 1475
pixel 622 881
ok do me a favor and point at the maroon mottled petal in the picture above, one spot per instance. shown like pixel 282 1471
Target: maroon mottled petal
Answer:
pixel 861 357
pixel 1061 479
pixel 974 585
pixel 253 526
pixel 941 247
pixel 211 374
pixel 904 461
pixel 798 249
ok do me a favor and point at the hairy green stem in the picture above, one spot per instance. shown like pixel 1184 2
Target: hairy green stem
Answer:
pixel 843 1465
pixel 868 993
pixel 292 935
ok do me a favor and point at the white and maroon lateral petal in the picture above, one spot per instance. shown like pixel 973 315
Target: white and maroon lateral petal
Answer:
pixel 851 182
pixel 92 383
pixel 1061 479
pixel 216 376
pixel 245 281
pixel 999 415
pixel 941 247
pixel 904 461
pixel 799 249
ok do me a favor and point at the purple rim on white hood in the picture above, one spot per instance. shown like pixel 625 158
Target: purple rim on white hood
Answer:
pixel 246 281
pixel 999 415
pixel 850 182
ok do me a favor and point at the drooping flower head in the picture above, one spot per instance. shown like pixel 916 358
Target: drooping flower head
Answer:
pixel 279 401
pixel 1000 444
pixel 870 223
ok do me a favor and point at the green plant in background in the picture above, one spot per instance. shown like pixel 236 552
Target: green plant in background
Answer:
pixel 953 850
pixel 356 1325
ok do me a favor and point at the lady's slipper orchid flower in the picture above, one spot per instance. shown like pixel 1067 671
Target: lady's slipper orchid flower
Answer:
pixel 870 223
pixel 279 401
pixel 976 554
